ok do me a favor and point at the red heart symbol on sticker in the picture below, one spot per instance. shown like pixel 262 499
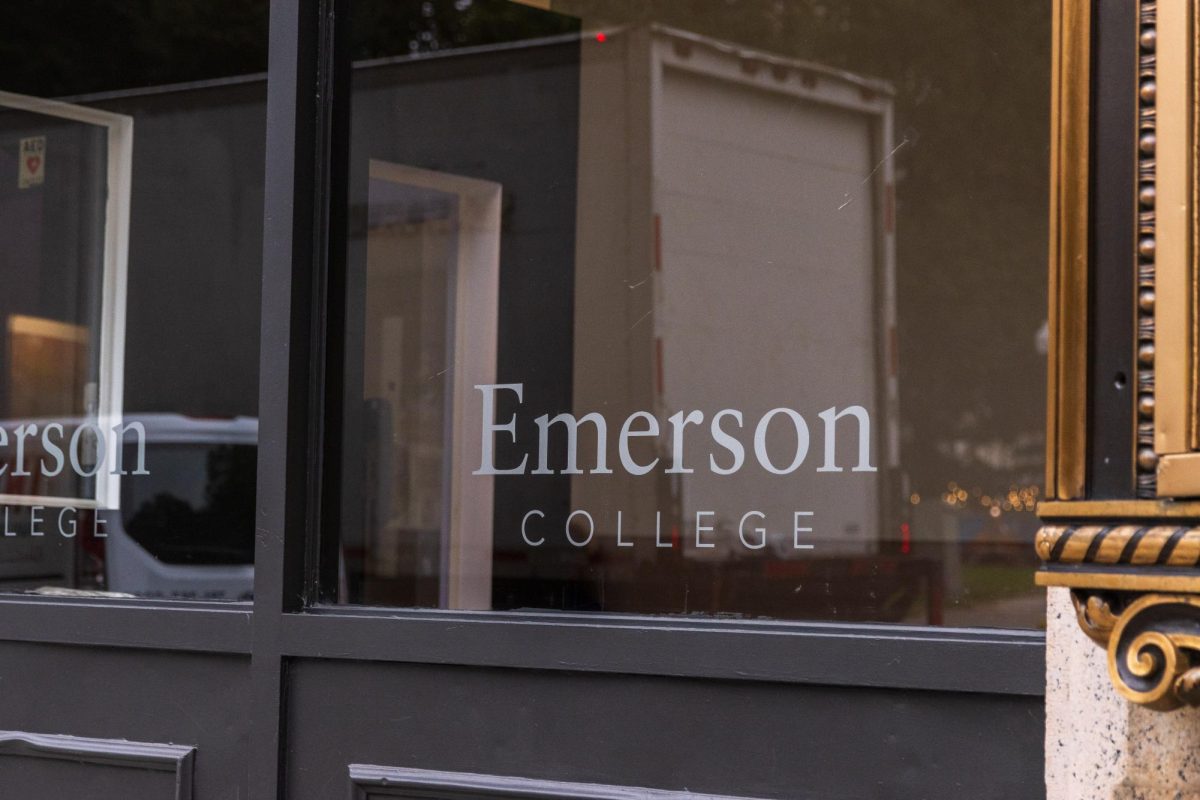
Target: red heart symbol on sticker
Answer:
pixel 32 163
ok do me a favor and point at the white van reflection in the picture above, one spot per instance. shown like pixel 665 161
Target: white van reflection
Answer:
pixel 186 530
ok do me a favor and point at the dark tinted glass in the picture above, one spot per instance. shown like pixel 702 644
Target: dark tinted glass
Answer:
pixel 694 307
pixel 131 190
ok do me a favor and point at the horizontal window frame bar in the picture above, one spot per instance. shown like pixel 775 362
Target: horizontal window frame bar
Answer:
pixel 868 656
pixel 194 627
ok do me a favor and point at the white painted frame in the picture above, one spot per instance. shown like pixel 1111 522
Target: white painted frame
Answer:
pixel 114 284
pixel 467 512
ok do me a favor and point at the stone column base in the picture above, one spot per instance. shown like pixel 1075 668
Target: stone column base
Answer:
pixel 1098 745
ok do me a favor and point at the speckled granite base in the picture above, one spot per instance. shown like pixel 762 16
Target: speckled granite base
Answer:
pixel 1098 746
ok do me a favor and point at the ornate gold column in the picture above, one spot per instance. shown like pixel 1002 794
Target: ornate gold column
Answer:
pixel 1132 564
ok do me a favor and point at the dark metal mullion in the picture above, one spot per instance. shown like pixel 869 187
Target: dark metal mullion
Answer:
pixel 336 68
pixel 1113 215
pixel 286 463
pixel 143 625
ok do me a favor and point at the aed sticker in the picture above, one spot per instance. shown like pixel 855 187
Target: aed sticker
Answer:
pixel 32 171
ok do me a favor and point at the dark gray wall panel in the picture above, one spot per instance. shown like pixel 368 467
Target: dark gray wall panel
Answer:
pixel 719 737
pixel 139 695
pixel 40 765
pixel 37 778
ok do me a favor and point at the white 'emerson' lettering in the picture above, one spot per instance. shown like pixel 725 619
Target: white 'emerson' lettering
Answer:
pixel 729 458
pixel 99 451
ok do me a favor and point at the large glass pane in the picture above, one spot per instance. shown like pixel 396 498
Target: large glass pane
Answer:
pixel 695 308
pixel 131 186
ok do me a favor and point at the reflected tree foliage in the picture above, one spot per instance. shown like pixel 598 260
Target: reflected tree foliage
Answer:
pixel 105 45
pixel 221 531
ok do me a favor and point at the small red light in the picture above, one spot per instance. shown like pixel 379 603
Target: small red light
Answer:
pixel 601 37
pixel 905 538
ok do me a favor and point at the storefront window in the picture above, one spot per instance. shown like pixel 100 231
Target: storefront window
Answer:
pixel 695 308
pixel 131 194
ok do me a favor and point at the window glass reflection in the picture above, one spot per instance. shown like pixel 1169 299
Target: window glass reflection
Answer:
pixel 131 191
pixel 681 307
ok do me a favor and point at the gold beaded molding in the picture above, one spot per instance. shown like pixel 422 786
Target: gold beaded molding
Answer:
pixel 1147 460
